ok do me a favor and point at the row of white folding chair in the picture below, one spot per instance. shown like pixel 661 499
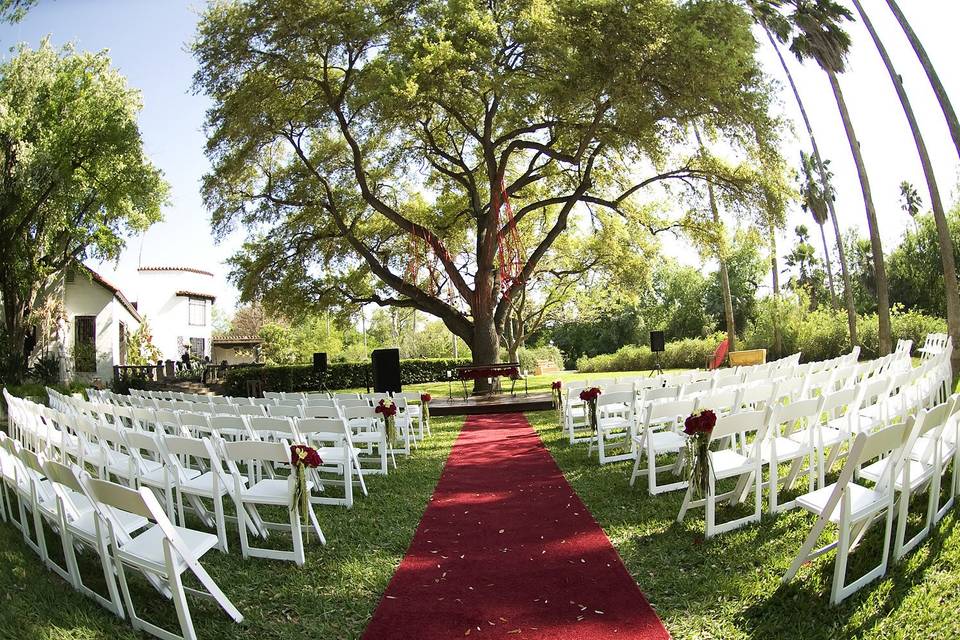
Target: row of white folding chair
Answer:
pixel 899 460
pixel 126 529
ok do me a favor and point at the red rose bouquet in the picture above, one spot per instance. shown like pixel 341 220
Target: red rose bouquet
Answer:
pixel 589 396
pixel 425 406
pixel 389 411
pixel 556 389
pixel 699 428
pixel 302 457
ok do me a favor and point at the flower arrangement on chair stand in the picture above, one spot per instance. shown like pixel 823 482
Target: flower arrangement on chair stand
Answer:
pixel 302 457
pixel 556 390
pixel 589 397
pixel 389 412
pixel 698 428
pixel 425 399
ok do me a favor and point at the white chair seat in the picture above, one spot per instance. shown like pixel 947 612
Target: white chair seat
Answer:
pixel 612 423
pixel 830 437
pixel 863 501
pixel 148 546
pixel 921 449
pixel 271 491
pixel 86 526
pixel 665 441
pixel 919 473
pixel 728 462
pixel 331 455
pixel 787 449
pixel 158 478
pixel 202 485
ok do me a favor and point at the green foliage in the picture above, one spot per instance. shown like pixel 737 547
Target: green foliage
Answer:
pixel 340 375
pixel 604 334
pixel 746 267
pixel 822 333
pixel 76 179
pixel 46 369
pixel 530 357
pixel 140 347
pixel 359 139
pixel 689 353
pixel 915 269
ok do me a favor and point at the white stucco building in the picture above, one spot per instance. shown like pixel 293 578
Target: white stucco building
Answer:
pixel 95 320
pixel 178 304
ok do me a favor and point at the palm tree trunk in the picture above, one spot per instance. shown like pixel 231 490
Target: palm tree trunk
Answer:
pixel 939 215
pixel 841 253
pixel 952 122
pixel 775 270
pixel 829 264
pixel 880 272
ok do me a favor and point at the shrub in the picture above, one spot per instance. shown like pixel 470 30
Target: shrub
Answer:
pixel 530 357
pixel 340 375
pixel 689 353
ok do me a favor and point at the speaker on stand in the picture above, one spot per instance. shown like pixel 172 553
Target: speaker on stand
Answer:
pixel 320 369
pixel 386 370
pixel 657 346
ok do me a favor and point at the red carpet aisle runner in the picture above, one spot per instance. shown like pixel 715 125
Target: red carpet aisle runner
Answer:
pixel 506 549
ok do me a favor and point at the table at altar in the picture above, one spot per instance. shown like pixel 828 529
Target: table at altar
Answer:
pixel 493 372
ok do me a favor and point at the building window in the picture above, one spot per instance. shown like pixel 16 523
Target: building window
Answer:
pixel 198 347
pixel 85 343
pixel 198 311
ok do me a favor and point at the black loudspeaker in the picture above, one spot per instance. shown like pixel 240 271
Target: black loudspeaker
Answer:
pixel 386 370
pixel 320 363
pixel 657 344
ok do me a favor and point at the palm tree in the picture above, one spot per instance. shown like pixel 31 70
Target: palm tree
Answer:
pixel 815 195
pixel 822 38
pixel 936 203
pixel 938 89
pixel 777 29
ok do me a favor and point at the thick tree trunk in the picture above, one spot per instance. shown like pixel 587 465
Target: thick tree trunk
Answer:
pixel 775 271
pixel 945 105
pixel 14 358
pixel 841 253
pixel 939 215
pixel 829 265
pixel 883 296
pixel 485 347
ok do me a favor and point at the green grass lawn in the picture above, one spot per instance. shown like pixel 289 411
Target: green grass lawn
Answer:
pixel 729 587
pixel 331 597
pixel 726 588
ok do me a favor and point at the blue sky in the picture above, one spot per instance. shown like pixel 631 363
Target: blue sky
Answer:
pixel 148 43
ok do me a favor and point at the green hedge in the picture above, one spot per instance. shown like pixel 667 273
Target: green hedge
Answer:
pixel 340 375
pixel 690 353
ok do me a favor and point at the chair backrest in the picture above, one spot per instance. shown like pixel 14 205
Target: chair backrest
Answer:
pixel 617 397
pixel 286 411
pixel 254 450
pixel 351 413
pixel 720 401
pixel 320 411
pixel 226 410
pixel 695 388
pixel 661 394
pixel 320 402
pixel 870 446
pixel 220 423
pixel 275 395
pixel 322 429
pixel 744 422
pixel 250 410
pixel 786 419
pixel 602 382
pixel 118 497
pixel 757 395
pixel 272 425
pixel 618 387
pixel 670 410
pixel 195 422
pixel 345 396
pixel 352 401
pixel 167 420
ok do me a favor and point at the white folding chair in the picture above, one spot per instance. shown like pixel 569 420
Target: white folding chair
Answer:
pixel 852 507
pixel 658 435
pixel 331 438
pixel 790 438
pixel 163 552
pixel 729 462
pixel 615 425
pixel 370 436
pixel 272 492
pixel 209 482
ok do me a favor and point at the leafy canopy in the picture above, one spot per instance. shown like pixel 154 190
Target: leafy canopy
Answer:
pixel 348 136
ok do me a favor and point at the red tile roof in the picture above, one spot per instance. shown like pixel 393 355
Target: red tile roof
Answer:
pixel 194 294
pixel 96 277
pixel 187 269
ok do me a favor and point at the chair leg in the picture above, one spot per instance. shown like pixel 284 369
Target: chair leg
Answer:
pixel 840 564
pixel 179 597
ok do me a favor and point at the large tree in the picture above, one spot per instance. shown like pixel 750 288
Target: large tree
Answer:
pixel 74 179
pixel 939 213
pixel 344 135
pixel 820 36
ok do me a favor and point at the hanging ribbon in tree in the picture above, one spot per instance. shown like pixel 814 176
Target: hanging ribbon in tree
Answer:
pixel 509 246
pixel 420 255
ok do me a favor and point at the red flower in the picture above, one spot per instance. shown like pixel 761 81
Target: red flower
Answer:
pixel 557 385
pixel 301 454
pixel 588 395
pixel 425 398
pixel 387 410
pixel 702 422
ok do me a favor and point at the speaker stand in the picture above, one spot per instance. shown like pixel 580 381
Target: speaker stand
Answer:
pixel 323 383
pixel 658 366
